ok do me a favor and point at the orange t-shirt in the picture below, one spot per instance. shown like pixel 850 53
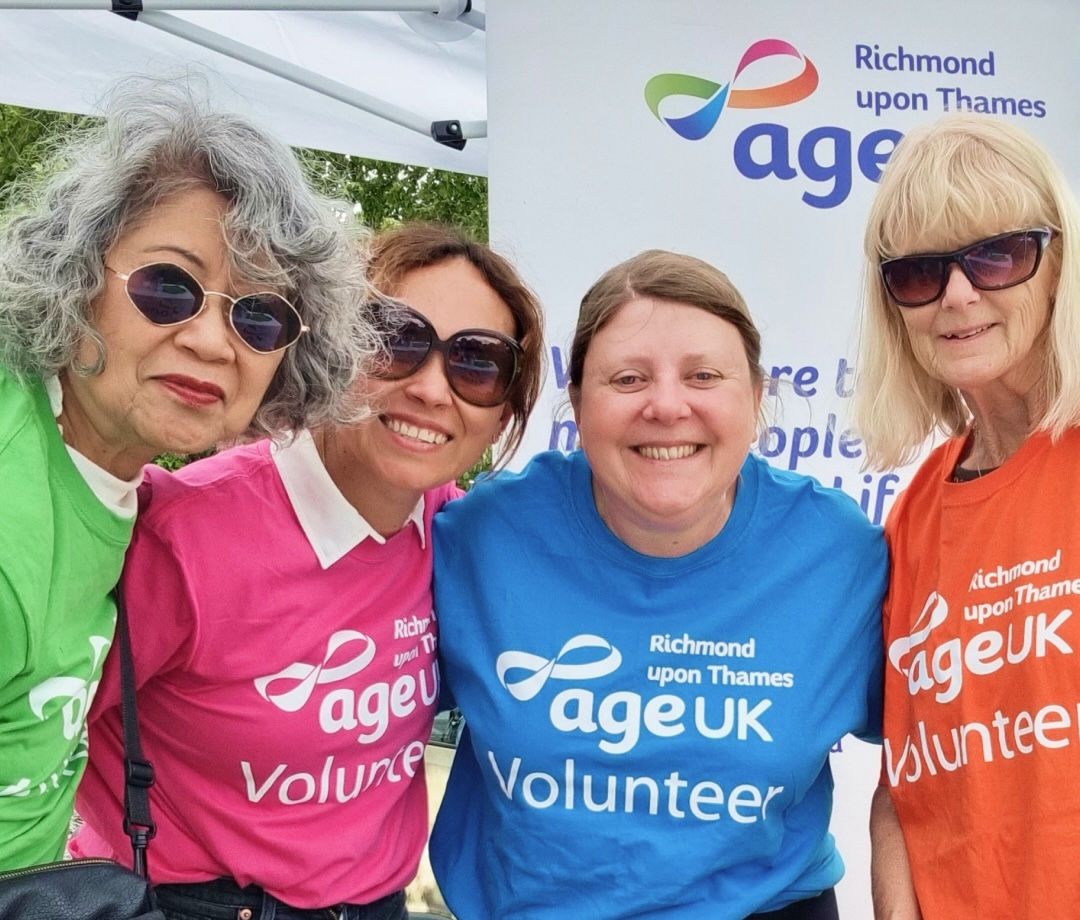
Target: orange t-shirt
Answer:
pixel 982 686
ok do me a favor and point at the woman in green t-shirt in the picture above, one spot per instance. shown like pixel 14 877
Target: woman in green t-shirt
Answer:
pixel 175 283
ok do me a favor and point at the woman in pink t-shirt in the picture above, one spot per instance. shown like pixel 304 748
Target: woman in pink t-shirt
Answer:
pixel 281 616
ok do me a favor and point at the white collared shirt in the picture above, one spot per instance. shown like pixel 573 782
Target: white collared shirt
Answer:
pixel 118 495
pixel 333 527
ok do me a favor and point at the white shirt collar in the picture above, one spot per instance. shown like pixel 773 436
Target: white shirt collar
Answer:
pixel 333 527
pixel 120 496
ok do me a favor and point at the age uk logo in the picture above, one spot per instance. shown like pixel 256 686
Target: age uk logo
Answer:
pixel 695 126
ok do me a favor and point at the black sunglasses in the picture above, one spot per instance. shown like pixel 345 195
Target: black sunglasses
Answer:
pixel 990 265
pixel 481 365
pixel 168 296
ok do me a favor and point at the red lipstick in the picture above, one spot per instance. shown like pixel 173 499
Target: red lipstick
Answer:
pixel 192 391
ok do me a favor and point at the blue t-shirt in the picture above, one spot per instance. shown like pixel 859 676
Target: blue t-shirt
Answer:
pixel 649 737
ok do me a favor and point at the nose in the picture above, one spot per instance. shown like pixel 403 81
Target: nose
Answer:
pixel 209 335
pixel 666 402
pixel 959 291
pixel 429 383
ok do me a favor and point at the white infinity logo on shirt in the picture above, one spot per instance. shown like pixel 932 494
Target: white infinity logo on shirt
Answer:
pixel 76 692
pixel 308 675
pixel 900 647
pixel 544 668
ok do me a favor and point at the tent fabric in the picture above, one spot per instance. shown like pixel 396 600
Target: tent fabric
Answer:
pixel 66 60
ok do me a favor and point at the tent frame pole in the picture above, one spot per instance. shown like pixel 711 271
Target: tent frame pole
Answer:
pixel 448 132
pixel 472 17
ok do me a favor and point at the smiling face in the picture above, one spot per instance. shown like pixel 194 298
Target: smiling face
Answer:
pixel 987 344
pixel 666 413
pixel 166 388
pixel 423 434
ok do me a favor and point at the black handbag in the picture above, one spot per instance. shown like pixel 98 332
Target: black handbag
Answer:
pixel 97 889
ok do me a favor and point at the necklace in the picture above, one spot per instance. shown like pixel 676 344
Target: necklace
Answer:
pixel 959 474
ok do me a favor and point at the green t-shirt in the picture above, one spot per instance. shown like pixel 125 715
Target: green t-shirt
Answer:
pixel 61 551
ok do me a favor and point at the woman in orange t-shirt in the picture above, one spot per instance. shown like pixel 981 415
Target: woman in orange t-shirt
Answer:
pixel 971 328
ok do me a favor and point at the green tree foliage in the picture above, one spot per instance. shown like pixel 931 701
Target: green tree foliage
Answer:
pixel 468 479
pixel 23 139
pixel 391 193
pixel 383 193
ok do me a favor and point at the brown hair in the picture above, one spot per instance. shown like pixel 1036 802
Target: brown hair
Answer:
pixel 412 246
pixel 662 275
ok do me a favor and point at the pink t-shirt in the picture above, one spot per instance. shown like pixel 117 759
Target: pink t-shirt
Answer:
pixel 287 683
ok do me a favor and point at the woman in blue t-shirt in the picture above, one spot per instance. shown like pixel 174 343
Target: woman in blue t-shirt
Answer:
pixel 655 640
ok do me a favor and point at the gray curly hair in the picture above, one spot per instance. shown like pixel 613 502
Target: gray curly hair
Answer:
pixel 160 137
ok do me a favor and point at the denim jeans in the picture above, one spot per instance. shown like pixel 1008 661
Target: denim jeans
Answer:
pixel 822 907
pixel 223 899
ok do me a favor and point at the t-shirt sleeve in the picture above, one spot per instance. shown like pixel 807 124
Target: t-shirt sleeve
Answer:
pixel 874 706
pixel 25 551
pixel 892 527
pixel 26 538
pixel 13 629
pixel 446 695
pixel 877 575
pixel 161 613
pixel 442 537
pixel 13 657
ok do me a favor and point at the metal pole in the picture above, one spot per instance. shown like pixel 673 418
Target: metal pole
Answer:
pixel 291 72
pixel 151 15
pixel 474 18
pixel 339 6
pixel 471 129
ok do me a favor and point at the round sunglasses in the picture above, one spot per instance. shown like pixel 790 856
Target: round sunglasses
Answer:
pixel 481 365
pixel 992 264
pixel 168 295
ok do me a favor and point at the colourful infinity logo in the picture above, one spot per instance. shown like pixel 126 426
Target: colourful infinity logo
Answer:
pixel 696 126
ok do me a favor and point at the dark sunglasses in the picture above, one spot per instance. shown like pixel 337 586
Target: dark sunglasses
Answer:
pixel 481 365
pixel 990 265
pixel 168 296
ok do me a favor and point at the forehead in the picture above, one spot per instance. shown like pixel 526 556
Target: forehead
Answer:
pixel 454 295
pixel 191 228
pixel 649 329
pixel 191 217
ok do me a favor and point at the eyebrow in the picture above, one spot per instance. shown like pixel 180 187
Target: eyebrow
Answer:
pixel 180 251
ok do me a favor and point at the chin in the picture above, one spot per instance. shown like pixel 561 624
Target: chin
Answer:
pixel 670 515
pixel 424 481
pixel 187 442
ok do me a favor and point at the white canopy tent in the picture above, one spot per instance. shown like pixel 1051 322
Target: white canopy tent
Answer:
pixel 374 79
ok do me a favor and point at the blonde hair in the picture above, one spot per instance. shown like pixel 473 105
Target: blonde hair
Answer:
pixel 960 179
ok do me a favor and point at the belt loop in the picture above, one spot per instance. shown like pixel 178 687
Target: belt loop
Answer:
pixel 269 906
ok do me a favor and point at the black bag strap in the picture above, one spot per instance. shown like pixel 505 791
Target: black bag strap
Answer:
pixel 138 771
